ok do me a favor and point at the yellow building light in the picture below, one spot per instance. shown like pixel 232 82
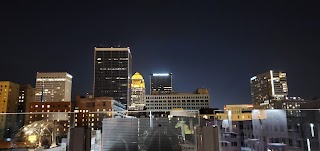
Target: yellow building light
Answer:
pixel 32 138
pixel 137 81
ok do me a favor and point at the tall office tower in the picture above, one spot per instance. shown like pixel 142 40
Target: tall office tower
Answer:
pixel 112 71
pixel 268 86
pixel 9 97
pixel 160 83
pixel 53 87
pixel 27 95
pixel 138 92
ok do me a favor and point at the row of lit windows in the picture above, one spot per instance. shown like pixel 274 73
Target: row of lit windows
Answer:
pixel 165 101
pixel 48 106
pixel 164 108
pixel 52 110
pixel 205 104
pixel 52 77
pixel 233 117
pixel 179 97
pixel 47 115
pixel 99 59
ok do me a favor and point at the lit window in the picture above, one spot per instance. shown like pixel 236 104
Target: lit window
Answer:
pixel 48 106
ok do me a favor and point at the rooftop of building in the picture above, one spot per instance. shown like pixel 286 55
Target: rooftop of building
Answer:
pixel 137 76
pixel 53 74
pixel 265 73
pixel 111 48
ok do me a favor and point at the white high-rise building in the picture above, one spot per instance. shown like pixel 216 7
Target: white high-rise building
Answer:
pixel 53 87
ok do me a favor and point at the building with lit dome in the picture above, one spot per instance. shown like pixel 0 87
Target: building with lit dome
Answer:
pixel 138 92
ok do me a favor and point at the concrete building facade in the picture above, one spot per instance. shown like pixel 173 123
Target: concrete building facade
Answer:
pixel 53 87
pixel 58 112
pixel 90 111
pixel 189 101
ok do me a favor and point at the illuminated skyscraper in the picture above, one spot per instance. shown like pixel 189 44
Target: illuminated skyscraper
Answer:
pixel 138 91
pixel 268 86
pixel 160 83
pixel 112 71
pixel 53 87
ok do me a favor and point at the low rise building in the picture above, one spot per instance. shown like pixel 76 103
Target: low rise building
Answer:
pixel 188 101
pixel 90 111
pixel 58 112
pixel 245 128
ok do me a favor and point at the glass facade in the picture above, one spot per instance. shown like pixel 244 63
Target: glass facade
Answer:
pixel 112 71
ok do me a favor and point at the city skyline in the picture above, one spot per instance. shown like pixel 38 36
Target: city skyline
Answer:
pixel 221 49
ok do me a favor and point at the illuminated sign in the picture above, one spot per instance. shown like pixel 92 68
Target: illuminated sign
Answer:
pixel 160 74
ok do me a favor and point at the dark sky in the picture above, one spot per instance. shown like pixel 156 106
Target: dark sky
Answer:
pixel 218 45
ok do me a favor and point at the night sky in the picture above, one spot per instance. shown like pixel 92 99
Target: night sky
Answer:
pixel 217 45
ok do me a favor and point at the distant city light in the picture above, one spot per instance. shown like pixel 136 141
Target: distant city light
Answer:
pixel 312 129
pixel 253 78
pixel 160 74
